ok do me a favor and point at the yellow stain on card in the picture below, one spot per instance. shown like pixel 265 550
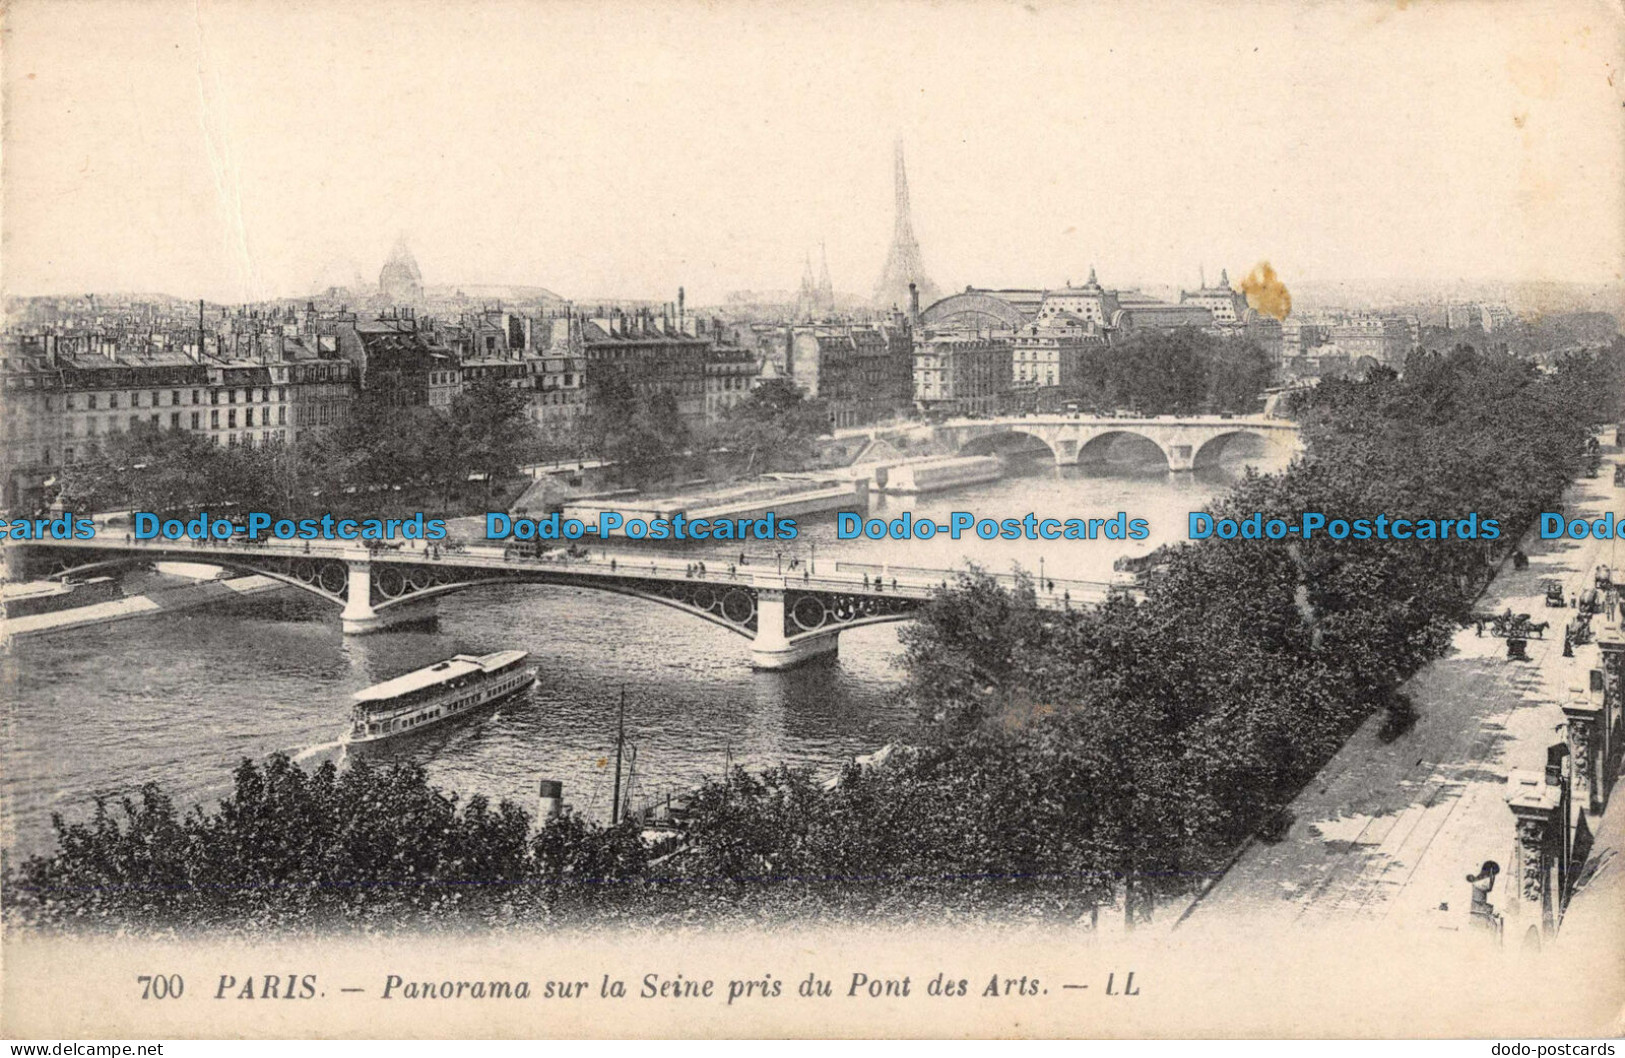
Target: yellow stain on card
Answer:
pixel 1266 293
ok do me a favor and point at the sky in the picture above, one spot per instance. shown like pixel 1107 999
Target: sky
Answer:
pixel 244 150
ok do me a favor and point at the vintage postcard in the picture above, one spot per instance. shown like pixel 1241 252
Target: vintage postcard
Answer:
pixel 906 519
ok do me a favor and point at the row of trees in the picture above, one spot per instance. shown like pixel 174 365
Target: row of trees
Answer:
pixel 1177 372
pixel 649 442
pixel 390 455
pixel 385 457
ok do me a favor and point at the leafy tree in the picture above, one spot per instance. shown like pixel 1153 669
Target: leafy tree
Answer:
pixel 493 432
pixel 773 428
pixel 643 436
pixel 1183 371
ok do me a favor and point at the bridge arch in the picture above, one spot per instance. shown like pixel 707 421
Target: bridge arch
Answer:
pixel 990 443
pixel 733 609
pixel 1209 452
pixel 325 579
pixel 1095 449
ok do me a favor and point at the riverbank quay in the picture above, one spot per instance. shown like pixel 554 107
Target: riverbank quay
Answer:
pixel 149 603
pixel 1389 832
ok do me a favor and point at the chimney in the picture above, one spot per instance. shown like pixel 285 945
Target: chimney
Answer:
pixel 681 298
pixel 913 303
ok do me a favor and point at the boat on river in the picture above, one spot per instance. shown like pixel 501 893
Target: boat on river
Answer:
pixel 450 688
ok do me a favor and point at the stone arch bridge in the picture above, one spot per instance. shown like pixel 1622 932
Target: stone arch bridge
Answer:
pixel 788 617
pixel 1186 442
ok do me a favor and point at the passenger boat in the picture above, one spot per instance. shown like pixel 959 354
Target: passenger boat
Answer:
pixel 441 691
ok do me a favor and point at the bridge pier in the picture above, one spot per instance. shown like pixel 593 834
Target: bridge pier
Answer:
pixel 1180 457
pixel 360 617
pixel 772 649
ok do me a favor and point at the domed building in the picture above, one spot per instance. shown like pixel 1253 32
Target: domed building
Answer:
pixel 400 281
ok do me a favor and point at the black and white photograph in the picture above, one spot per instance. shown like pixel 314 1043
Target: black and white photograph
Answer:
pixel 720 520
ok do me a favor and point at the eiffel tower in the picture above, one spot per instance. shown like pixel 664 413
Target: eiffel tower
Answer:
pixel 903 264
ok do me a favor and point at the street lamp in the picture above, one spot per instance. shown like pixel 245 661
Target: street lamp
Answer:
pixel 812 563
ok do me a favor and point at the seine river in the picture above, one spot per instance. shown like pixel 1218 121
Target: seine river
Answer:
pixel 182 699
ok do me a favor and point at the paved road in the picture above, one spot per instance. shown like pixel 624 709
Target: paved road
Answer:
pixel 1389 832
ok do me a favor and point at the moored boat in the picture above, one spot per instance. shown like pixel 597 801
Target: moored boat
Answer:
pixel 430 695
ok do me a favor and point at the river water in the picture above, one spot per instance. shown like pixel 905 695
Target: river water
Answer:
pixel 182 699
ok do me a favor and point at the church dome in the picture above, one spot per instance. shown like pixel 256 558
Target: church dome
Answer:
pixel 400 279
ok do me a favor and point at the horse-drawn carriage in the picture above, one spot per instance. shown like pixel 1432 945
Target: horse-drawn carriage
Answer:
pixel 1516 628
pixel 1554 593
pixel 1578 631
pixel 1595 599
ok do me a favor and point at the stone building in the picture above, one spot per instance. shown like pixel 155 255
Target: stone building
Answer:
pixel 862 370
pixel 960 373
pixel 1091 302
pixel 1227 306
pixel 559 366
pixel 730 375
pixel 1048 353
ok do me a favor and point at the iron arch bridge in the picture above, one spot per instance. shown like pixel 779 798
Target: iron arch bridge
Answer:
pixel 1185 442
pixel 788 618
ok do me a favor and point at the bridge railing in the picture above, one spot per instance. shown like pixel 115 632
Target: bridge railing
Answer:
pixel 856 577
pixel 1005 579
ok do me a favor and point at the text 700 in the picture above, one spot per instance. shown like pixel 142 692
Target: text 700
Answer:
pixel 161 986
